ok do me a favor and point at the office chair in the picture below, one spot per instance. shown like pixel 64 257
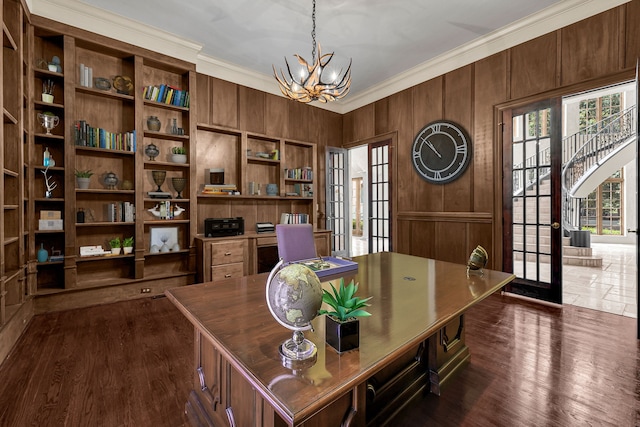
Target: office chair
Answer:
pixel 295 242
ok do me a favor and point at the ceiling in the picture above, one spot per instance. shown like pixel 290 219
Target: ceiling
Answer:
pixel 386 40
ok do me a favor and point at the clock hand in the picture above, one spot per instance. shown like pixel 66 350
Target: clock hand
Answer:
pixel 434 149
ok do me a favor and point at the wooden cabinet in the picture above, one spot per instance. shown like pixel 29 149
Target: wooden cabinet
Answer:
pixel 14 194
pixel 101 107
pixel 273 176
pixel 219 258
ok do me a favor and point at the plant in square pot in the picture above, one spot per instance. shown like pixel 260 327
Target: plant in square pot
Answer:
pixel 342 324
pixel 179 155
pixel 83 177
pixel 127 245
pixel 116 245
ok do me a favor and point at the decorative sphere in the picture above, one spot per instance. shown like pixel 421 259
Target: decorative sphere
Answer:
pixel 294 296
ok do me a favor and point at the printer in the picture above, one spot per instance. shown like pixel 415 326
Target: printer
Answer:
pixel 216 227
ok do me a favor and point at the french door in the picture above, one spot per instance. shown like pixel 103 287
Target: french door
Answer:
pixel 532 199
pixel 380 208
pixel 337 197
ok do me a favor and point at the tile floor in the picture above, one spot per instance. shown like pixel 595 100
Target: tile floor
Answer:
pixel 611 289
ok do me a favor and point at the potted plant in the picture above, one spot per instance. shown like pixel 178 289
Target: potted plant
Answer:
pixel 83 178
pixel 179 154
pixel 115 245
pixel 342 320
pixel 127 245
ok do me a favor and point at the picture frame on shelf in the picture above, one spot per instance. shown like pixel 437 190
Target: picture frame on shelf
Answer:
pixel 163 239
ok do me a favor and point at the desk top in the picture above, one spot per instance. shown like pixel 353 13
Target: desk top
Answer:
pixel 413 297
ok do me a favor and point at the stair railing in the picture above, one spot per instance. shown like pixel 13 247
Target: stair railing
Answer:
pixel 584 150
pixel 611 133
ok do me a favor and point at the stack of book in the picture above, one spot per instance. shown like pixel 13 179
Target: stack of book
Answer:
pixel 88 136
pixel 304 173
pixel 220 189
pixel 294 218
pixel 167 95
pixel 120 212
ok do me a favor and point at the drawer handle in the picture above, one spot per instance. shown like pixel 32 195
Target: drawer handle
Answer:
pixel 226 276
pixel 227 253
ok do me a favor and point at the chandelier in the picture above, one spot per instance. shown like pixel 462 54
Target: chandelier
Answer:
pixel 315 82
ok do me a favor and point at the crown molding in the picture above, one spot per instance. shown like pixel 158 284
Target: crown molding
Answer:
pixel 560 15
pixel 99 21
pixel 81 15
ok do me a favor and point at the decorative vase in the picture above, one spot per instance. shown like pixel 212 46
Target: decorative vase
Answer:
pixel 82 183
pixel 127 185
pixel 111 180
pixel 152 151
pixel 272 189
pixel 343 336
pixel 43 254
pixel 153 123
pixel 174 127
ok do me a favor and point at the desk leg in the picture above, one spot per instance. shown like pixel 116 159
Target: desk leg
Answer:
pixel 447 352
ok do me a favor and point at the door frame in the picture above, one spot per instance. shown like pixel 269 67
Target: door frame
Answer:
pixel 393 160
pixel 499 173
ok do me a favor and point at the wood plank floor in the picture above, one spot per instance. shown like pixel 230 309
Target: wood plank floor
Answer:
pixel 130 364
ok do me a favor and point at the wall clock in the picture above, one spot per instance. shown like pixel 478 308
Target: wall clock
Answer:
pixel 441 152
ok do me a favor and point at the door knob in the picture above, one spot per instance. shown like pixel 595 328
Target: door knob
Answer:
pixel 555 225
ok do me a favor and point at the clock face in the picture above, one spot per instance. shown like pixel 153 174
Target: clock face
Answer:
pixel 441 152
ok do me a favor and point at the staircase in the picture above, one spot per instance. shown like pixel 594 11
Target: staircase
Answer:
pixel 571 255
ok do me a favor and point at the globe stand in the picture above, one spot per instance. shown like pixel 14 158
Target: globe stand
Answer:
pixel 297 349
pixel 296 352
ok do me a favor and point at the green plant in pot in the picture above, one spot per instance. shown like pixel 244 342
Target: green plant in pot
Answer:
pixel 127 244
pixel 342 324
pixel 179 154
pixel 83 177
pixel 116 245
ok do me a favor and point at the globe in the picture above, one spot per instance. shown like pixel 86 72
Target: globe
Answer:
pixel 294 296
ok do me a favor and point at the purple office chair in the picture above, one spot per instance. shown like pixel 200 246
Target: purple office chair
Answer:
pixel 295 242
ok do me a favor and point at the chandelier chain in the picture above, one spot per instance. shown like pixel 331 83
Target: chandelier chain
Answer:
pixel 313 32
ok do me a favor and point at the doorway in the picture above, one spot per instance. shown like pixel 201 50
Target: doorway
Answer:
pixel 359 198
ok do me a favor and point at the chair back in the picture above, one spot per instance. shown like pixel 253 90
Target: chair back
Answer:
pixel 295 242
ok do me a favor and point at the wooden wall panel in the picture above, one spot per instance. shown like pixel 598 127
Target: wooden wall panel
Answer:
pixel 252 107
pixel 277 115
pixel 534 66
pixel 450 241
pixel 489 90
pixel 591 48
pixel 360 124
pixel 299 115
pixel 427 106
pixel 381 111
pixel 632 35
pixel 203 99
pixel 422 239
pixel 224 101
pixel 458 101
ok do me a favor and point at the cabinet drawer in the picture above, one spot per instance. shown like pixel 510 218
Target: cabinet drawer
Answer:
pixel 227 271
pixel 227 252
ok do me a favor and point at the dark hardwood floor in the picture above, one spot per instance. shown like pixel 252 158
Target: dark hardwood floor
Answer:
pixel 130 364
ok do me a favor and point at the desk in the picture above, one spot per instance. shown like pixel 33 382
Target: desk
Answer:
pixel 413 342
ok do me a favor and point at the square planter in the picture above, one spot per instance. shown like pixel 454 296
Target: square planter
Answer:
pixel 343 336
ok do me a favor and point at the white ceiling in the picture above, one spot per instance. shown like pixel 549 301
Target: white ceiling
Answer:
pixel 389 41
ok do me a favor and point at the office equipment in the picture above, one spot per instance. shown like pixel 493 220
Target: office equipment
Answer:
pixel 215 227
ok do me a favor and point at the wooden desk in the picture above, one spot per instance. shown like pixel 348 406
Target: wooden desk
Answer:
pixel 413 342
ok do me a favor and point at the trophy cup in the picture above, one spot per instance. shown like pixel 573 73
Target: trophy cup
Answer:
pixel 178 185
pixel 158 178
pixel 48 121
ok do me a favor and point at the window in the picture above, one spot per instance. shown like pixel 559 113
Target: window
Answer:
pixel 601 212
pixel 597 110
